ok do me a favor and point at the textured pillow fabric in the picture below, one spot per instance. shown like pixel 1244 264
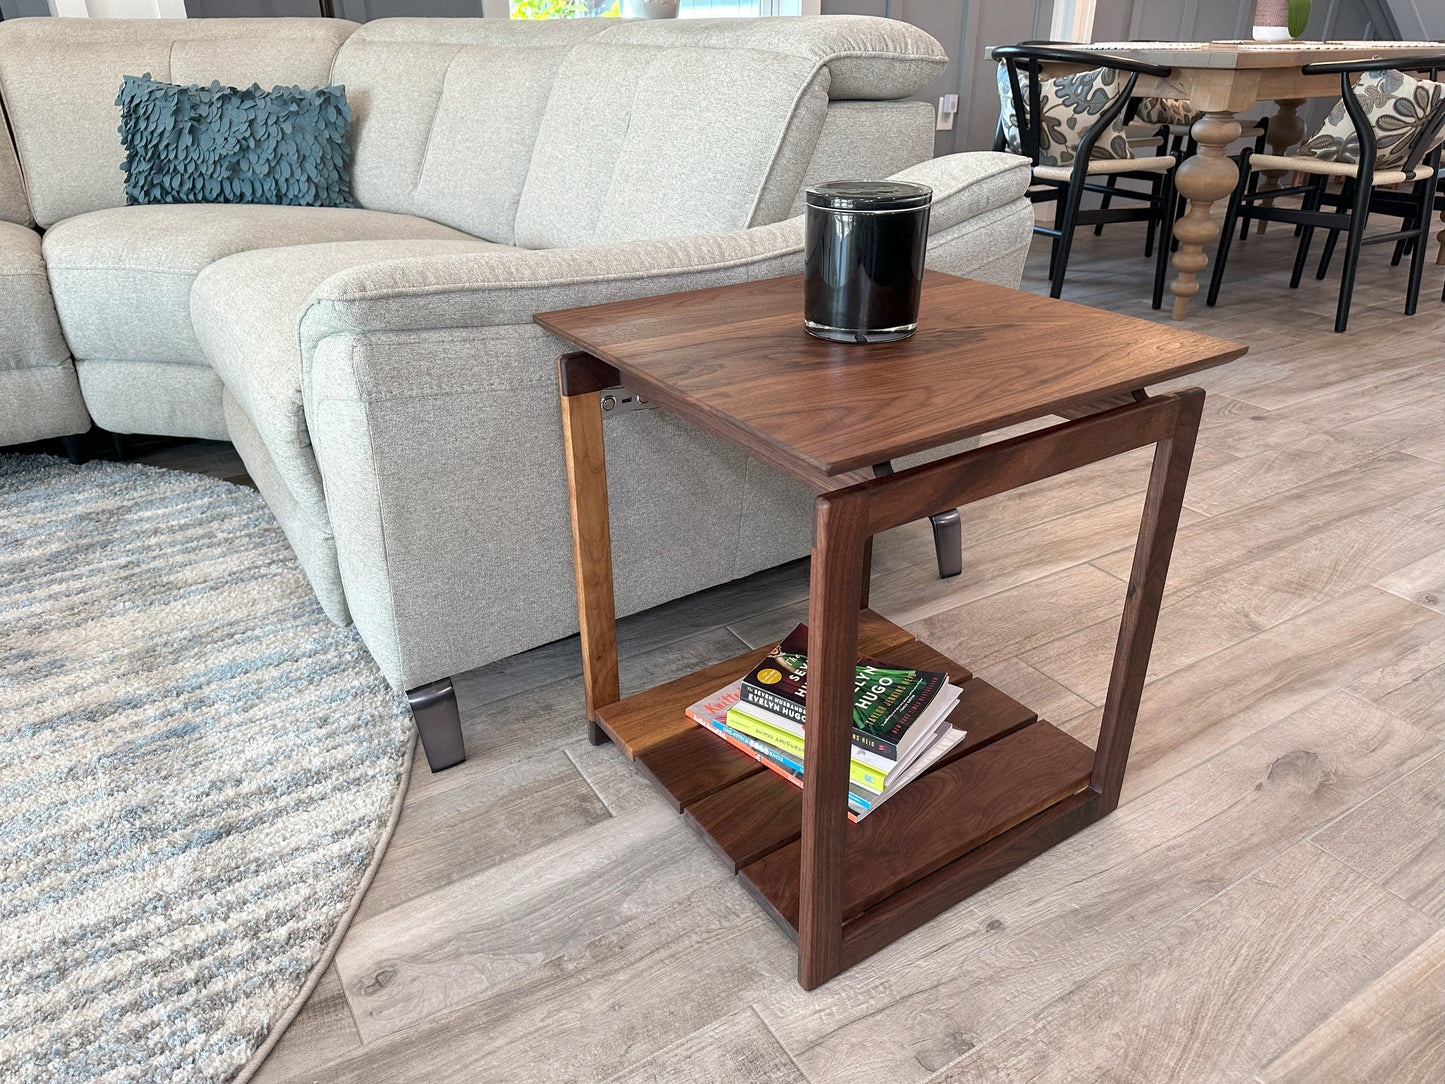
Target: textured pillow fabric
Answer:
pixel 224 145
pixel 1166 111
pixel 1070 105
pixel 1396 105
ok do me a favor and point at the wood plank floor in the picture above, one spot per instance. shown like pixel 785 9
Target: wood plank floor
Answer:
pixel 1265 905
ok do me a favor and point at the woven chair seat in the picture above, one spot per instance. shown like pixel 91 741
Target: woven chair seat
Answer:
pixel 1098 166
pixel 1325 167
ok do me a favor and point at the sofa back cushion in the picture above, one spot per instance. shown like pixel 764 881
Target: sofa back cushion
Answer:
pixel 566 132
pixel 445 113
pixel 590 131
pixel 59 79
pixel 14 206
pixel 642 141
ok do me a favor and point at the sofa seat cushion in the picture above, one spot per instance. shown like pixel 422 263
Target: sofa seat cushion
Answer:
pixel 245 310
pixel 39 396
pixel 122 277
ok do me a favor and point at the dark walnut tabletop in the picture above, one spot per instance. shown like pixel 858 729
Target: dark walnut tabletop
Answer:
pixel 735 360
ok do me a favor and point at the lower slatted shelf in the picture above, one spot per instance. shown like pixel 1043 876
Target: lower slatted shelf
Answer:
pixel 762 812
pixel 1009 768
pixel 937 818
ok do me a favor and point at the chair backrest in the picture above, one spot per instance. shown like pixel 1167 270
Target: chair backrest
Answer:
pixel 1023 66
pixel 1425 134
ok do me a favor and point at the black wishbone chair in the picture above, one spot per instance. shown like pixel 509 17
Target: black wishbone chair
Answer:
pixel 1360 196
pixel 1065 185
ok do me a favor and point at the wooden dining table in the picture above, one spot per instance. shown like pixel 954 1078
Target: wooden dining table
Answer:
pixel 1223 79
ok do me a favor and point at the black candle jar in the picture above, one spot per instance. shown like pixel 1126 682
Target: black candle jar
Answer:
pixel 863 259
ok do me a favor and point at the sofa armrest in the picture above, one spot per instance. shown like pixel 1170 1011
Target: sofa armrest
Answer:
pixel 969 184
pixel 504 287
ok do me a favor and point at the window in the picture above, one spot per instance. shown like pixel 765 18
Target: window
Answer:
pixel 735 9
pixel 689 9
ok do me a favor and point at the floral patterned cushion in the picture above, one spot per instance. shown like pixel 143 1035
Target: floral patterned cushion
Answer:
pixel 1166 111
pixel 1397 106
pixel 1070 106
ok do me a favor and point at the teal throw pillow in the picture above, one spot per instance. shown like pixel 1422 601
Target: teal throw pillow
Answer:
pixel 225 145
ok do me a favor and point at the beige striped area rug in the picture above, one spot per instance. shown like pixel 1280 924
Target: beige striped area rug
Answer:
pixel 198 775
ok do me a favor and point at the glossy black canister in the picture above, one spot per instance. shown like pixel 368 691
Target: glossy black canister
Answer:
pixel 863 259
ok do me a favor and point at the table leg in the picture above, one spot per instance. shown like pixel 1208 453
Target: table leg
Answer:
pixel 591 550
pixel 1162 503
pixel 1285 130
pixel 1203 179
pixel 839 540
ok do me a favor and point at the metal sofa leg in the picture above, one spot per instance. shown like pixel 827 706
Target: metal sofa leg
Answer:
pixel 434 707
pixel 948 542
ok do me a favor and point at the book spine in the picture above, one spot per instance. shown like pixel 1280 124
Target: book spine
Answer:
pixel 761 748
pixel 756 728
pixel 778 705
pixel 875 744
pixel 787 712
pixel 856 806
pixel 859 797
pixel 865 776
pixel 869 759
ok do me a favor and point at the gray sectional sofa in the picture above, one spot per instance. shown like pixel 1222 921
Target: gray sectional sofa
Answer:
pixel 377 368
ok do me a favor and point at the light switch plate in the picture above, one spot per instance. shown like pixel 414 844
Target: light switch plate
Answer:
pixel 947 110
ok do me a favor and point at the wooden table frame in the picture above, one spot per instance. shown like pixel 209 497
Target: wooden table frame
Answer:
pixel 846 516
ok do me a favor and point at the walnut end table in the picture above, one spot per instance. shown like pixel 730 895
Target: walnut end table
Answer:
pixel 735 362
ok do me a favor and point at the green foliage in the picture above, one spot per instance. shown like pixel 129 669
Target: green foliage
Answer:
pixel 558 9
pixel 548 9
pixel 1299 15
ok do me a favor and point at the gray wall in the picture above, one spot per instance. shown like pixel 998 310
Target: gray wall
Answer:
pixel 362 10
pixel 1212 20
pixel 1419 20
pixel 964 27
pixel 234 9
pixel 14 9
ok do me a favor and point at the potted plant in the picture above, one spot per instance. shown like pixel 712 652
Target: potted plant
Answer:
pixel 1280 20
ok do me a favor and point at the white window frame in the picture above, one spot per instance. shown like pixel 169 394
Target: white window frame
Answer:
pixel 1073 20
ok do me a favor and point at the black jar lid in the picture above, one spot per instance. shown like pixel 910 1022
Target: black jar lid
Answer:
pixel 869 196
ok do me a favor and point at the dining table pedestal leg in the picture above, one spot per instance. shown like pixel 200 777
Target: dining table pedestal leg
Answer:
pixel 1203 180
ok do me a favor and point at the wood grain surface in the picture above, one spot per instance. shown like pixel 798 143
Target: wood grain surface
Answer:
pixel 1391 1032
pixel 591 547
pixel 939 817
pixel 735 360
pixel 1344 929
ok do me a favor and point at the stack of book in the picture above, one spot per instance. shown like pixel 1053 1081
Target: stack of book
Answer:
pixel 900 720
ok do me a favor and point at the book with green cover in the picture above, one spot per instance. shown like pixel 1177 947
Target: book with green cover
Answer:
pixel 888 701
